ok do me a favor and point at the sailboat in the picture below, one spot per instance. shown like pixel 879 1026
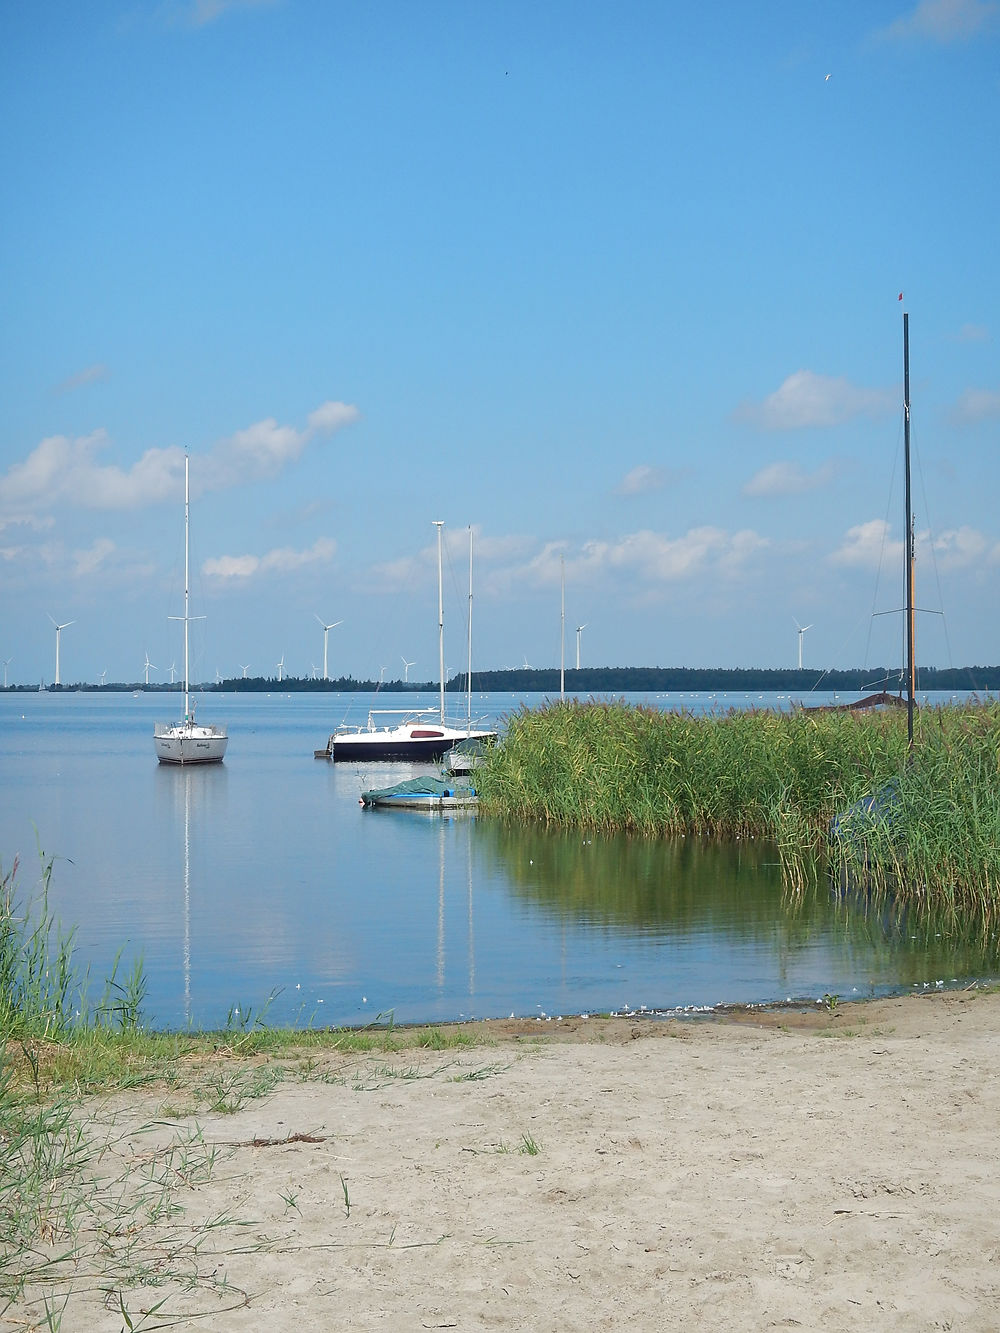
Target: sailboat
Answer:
pixel 906 698
pixel 879 807
pixel 419 733
pixel 187 741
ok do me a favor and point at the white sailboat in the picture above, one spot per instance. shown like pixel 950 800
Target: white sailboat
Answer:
pixel 187 741
pixel 419 733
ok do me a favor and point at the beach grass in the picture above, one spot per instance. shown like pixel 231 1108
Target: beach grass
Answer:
pixel 73 1208
pixel 612 767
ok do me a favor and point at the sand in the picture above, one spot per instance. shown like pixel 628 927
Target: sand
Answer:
pixel 768 1171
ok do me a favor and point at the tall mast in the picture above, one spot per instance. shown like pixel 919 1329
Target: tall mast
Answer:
pixel 908 548
pixel 187 581
pixel 439 524
pixel 469 676
pixel 562 627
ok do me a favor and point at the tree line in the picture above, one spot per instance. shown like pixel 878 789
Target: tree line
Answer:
pixel 601 681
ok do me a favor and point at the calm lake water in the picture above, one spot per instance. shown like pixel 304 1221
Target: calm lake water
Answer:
pixel 261 884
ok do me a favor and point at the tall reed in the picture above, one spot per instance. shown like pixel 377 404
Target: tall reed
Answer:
pixel 41 994
pixel 609 766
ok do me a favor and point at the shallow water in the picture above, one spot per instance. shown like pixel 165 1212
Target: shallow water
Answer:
pixel 261 884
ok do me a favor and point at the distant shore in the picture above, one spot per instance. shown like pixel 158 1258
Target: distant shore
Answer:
pixel 593 680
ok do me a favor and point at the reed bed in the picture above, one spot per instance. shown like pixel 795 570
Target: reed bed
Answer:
pixel 611 767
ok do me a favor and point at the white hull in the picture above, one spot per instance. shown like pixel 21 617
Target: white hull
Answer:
pixel 189 743
pixel 408 740
pixel 429 803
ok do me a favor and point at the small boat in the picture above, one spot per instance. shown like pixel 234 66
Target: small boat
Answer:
pixel 188 741
pixel 883 699
pixel 415 736
pixel 466 755
pixel 424 793
pixel 876 812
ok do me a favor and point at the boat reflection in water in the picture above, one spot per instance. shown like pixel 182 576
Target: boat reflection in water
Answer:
pixel 196 796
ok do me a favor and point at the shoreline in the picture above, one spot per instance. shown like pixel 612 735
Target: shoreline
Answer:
pixel 747 1171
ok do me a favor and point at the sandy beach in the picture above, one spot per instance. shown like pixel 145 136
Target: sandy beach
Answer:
pixel 763 1171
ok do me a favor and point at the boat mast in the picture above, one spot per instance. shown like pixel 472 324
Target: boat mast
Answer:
pixel 187 582
pixel 469 676
pixel 908 548
pixel 439 524
pixel 562 627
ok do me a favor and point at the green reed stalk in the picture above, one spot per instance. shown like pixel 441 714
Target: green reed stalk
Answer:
pixel 613 767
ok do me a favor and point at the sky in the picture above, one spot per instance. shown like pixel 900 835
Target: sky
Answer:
pixel 612 288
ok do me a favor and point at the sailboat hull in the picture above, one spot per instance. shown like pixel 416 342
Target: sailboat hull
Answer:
pixel 403 742
pixel 184 744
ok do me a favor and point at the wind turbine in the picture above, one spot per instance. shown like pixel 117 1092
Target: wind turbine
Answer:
pixel 802 629
pixel 579 631
pixel 326 639
pixel 103 674
pixel 245 669
pixel 149 667
pixel 281 666
pixel 59 629
pixel 406 669
pixel 5 666
pixel 173 672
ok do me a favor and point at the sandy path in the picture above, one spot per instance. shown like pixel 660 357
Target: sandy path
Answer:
pixel 841 1174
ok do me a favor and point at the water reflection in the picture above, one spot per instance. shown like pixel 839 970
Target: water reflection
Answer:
pixel 263 876
pixel 927 945
pixel 194 797
pixel 638 884
pixel 685 891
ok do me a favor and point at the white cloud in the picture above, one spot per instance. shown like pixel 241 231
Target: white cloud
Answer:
pixel 264 448
pixel 642 479
pixel 505 563
pixel 808 399
pixel 500 548
pixel 417 571
pixel 90 561
pixel 867 546
pixel 89 375
pixel 282 560
pixel 330 416
pixel 958 548
pixel 652 556
pixel 62 470
pixel 975 405
pixel 788 478
pixel 973 333
pixel 942 21
pixel 29 521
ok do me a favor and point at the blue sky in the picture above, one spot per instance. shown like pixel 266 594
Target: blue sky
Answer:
pixel 616 285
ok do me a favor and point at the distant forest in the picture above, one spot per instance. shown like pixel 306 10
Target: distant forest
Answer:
pixel 602 681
